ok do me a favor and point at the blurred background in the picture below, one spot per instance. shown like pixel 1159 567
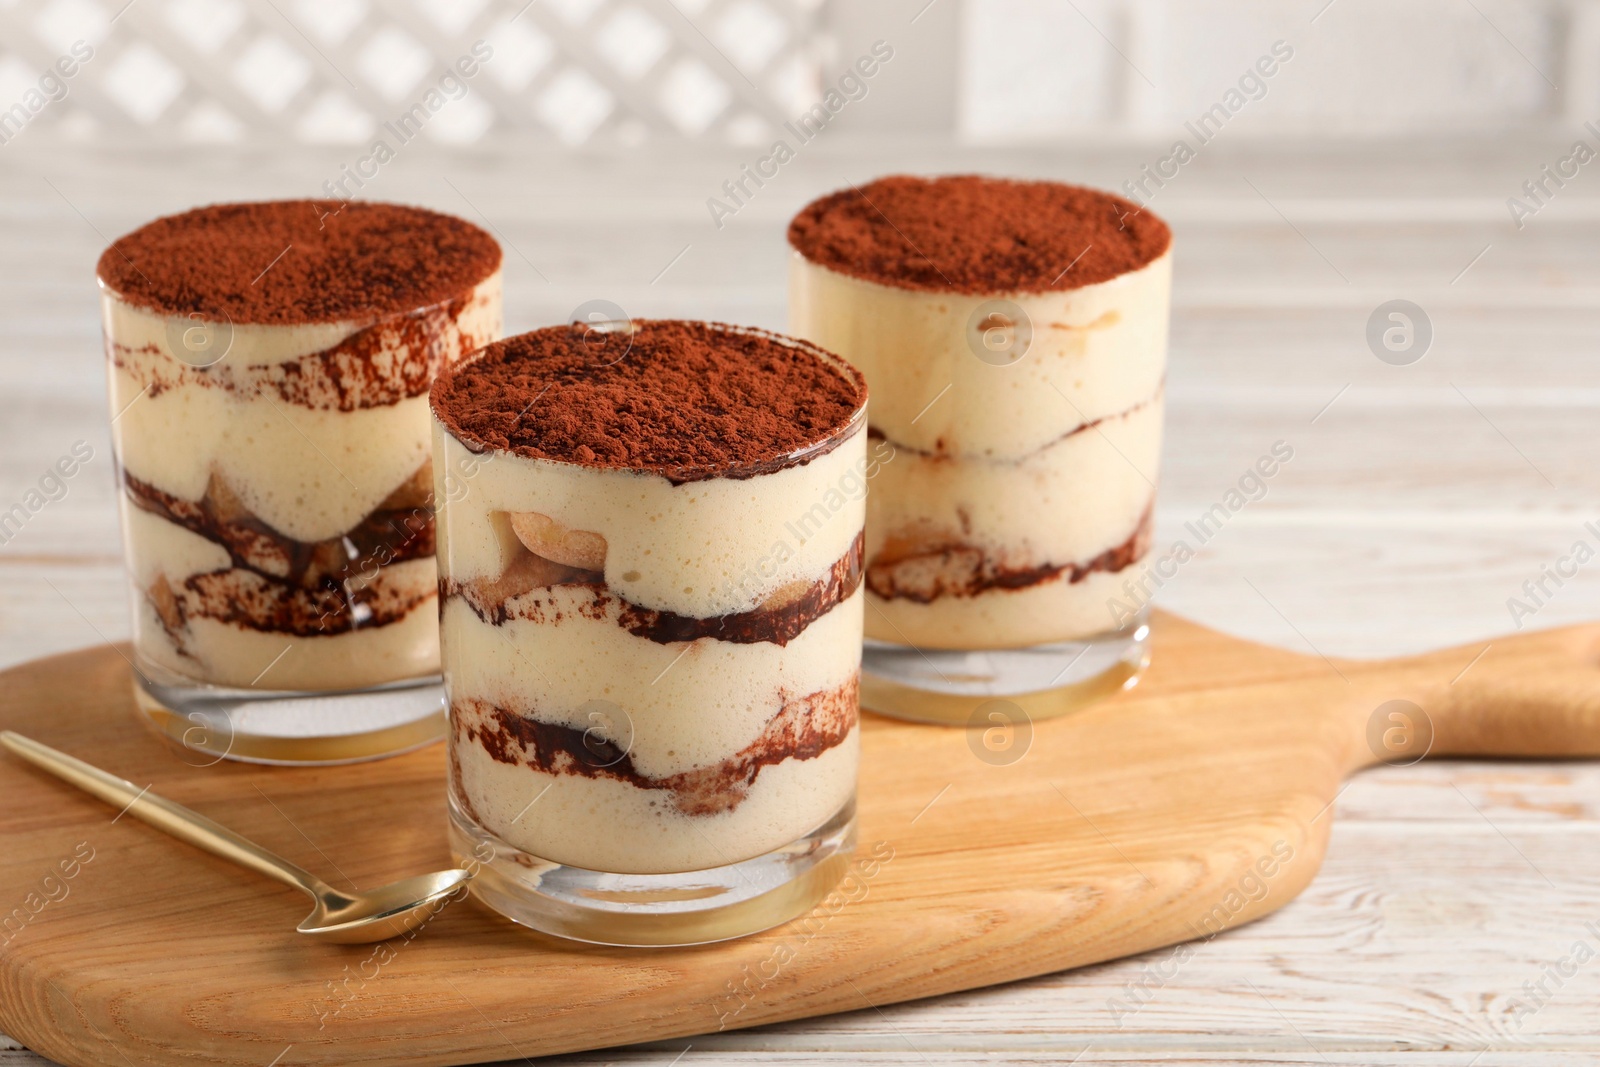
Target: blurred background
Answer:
pixel 606 72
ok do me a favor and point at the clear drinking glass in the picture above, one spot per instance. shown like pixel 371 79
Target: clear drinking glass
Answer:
pixel 639 773
pixel 1018 439
pixel 276 493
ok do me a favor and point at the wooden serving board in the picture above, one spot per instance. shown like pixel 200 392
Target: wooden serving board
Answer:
pixel 1198 801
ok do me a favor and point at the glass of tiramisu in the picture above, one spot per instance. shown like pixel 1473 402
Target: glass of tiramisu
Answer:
pixel 269 370
pixel 1014 335
pixel 650 538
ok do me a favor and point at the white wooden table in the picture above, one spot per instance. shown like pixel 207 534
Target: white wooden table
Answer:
pixel 1419 499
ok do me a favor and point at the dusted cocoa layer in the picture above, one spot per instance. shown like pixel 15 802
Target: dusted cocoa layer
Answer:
pixel 977 235
pixel 685 400
pixel 924 572
pixel 290 262
pixel 804 728
pixel 376 366
pixel 778 621
pixel 280 585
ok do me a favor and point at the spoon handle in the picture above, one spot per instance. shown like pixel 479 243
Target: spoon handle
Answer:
pixel 175 819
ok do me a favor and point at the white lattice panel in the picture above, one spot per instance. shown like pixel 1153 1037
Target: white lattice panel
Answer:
pixel 352 71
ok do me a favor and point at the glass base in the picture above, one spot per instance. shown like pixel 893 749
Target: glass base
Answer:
pixel 954 688
pixel 642 910
pixel 295 728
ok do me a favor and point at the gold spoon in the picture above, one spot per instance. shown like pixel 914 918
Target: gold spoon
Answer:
pixel 345 918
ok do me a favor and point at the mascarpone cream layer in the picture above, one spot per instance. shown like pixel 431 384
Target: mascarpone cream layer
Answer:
pixel 1094 352
pixel 607 825
pixel 703 549
pixel 1047 460
pixel 690 704
pixel 1054 610
pixel 222 653
pixel 1064 504
pixel 309 473
pixel 560 657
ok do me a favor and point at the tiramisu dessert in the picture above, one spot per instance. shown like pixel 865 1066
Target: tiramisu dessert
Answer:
pixel 269 367
pixel 1014 336
pixel 650 546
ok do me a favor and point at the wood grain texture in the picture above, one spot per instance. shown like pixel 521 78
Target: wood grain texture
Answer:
pixel 1184 808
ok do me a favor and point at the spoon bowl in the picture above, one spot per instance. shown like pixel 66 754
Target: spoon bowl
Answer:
pixel 384 912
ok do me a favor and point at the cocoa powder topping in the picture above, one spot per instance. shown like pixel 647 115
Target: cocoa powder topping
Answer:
pixel 974 234
pixel 687 400
pixel 289 262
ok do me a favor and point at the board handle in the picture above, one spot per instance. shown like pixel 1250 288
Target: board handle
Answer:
pixel 1527 695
